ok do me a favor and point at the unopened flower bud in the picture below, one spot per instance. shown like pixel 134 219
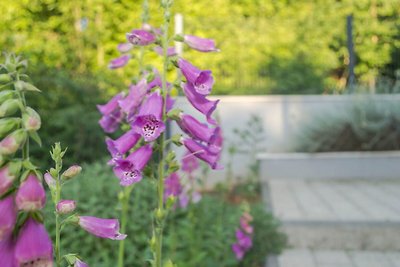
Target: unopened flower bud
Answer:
pixel 79 263
pixel 24 86
pixel 5 78
pixel 7 125
pixel 71 172
pixel 12 142
pixel 31 195
pixel 5 95
pixel 49 180
pixel 8 174
pixel 174 114
pixel 31 120
pixel 9 107
pixel 65 206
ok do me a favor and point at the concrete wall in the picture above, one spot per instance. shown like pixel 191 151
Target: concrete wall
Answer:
pixel 281 116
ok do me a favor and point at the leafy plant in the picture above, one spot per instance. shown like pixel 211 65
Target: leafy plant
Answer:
pixel 201 235
pixel 362 126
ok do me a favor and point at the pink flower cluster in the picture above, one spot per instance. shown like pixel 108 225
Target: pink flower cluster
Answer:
pixel 243 237
pixel 145 110
pixel 33 244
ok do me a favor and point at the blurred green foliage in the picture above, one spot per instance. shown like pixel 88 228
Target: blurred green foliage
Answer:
pixel 280 46
pixel 67 106
pixel 201 235
pixel 364 125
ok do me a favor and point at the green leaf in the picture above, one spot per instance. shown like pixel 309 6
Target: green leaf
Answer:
pixel 36 138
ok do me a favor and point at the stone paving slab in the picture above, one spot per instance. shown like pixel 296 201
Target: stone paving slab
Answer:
pixel 336 258
pixel 333 200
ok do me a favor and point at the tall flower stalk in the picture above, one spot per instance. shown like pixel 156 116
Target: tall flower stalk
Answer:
pixel 64 210
pixel 143 113
pixel 125 193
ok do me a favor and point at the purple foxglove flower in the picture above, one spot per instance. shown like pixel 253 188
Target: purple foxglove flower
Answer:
pixel 104 228
pixel 189 163
pixel 112 105
pixel 140 37
pixel 196 129
pixel 124 47
pixel 200 44
pixel 215 144
pixel 184 200
pixel 148 122
pixel 79 263
pixel 133 100
pixel 202 152
pixel 202 80
pixel 129 170
pixel 239 251
pixel 200 103
pixel 33 247
pixel 8 216
pixel 246 227
pixel 31 195
pixel 170 51
pixel 243 240
pixel 65 206
pixel 173 185
pixel 7 247
pixel 110 123
pixel 6 178
pixel 119 62
pixel 123 144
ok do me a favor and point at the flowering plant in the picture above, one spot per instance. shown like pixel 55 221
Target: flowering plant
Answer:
pixel 147 109
pixel 24 240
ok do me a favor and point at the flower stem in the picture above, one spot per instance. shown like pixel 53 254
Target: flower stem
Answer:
pixel 58 225
pixel 124 218
pixel 25 148
pixel 159 220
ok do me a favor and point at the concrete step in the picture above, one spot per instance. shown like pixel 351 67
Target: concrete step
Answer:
pixel 335 258
pixel 355 214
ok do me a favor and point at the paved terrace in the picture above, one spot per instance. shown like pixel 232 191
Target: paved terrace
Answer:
pixel 337 223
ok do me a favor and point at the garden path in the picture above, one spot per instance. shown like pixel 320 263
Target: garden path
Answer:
pixel 341 223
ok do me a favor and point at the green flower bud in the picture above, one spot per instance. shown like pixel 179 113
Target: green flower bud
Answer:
pixel 31 120
pixel 24 86
pixel 9 107
pixel 5 95
pixel 5 78
pixel 8 124
pixel 12 142
pixel 174 114
pixel 71 172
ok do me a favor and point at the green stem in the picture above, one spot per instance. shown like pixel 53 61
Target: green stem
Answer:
pixel 25 148
pixel 124 218
pixel 160 211
pixel 58 225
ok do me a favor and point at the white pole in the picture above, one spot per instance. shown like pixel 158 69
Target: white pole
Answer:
pixel 179 30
